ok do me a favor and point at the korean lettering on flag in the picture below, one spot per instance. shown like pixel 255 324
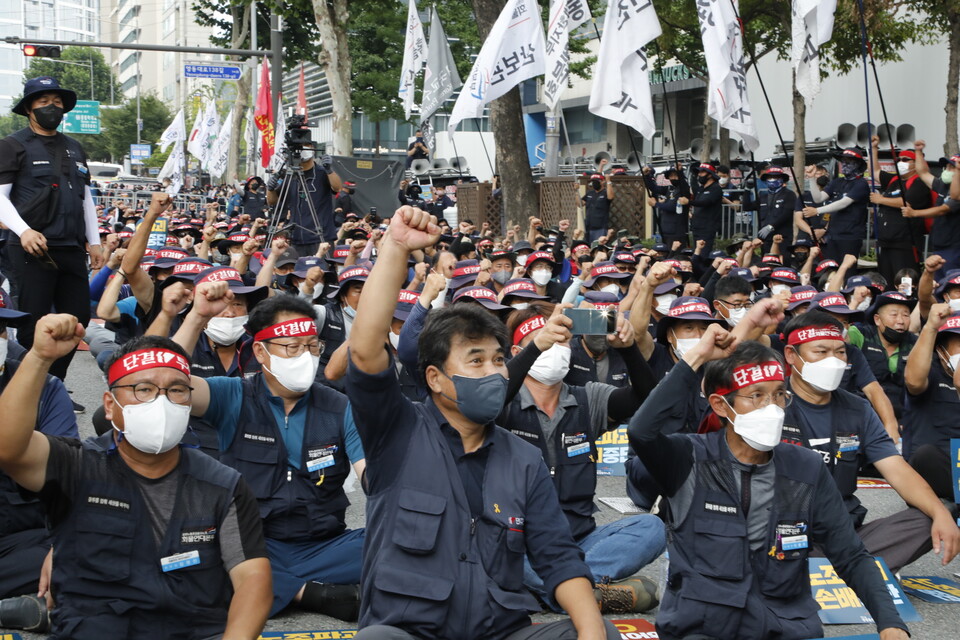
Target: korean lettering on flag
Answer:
pixel 173 169
pixel 622 85
pixel 723 49
pixel 812 28
pixel 440 77
pixel 174 133
pixel 211 121
pixel 414 53
pixel 512 53
pixel 220 151
pixel 565 16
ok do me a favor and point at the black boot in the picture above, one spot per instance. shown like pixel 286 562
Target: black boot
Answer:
pixel 24 612
pixel 341 601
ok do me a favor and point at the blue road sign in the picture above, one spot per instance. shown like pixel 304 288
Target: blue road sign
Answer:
pixel 226 72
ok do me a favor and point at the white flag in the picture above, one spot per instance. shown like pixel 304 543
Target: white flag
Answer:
pixel 173 169
pixel 174 133
pixel 212 121
pixel 414 53
pixel 250 138
pixel 723 50
pixel 565 16
pixel 812 28
pixel 512 53
pixel 279 152
pixel 195 143
pixel 621 87
pixel 220 151
pixel 440 77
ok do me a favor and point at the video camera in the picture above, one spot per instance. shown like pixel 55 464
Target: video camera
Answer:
pixel 296 137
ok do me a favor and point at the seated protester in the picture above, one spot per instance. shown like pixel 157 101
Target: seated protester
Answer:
pixel 604 276
pixel 745 510
pixel 523 249
pixel 454 500
pixel 150 539
pixel 565 422
pixel 930 413
pixel 841 427
pixel 520 293
pixel 861 291
pixel 733 298
pixel 542 268
pixel 591 359
pixel 294 441
pixel 579 254
pixel 502 266
pixel 335 316
pixel 24 538
pixel 312 278
pixel 409 378
pixel 886 342
pixel 464 275
pixel 800 299
pixel 857 376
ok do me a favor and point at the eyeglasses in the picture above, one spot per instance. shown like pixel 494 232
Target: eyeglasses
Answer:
pixel 736 305
pixel 760 400
pixel 294 349
pixel 148 392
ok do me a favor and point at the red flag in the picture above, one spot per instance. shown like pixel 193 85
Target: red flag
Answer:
pixel 263 116
pixel 302 95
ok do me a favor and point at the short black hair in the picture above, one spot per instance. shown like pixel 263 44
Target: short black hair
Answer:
pixel 265 313
pixel 470 321
pixel 145 342
pixel 731 284
pixel 719 373
pixel 723 168
pixel 814 318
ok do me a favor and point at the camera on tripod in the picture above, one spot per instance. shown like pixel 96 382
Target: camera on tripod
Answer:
pixel 297 136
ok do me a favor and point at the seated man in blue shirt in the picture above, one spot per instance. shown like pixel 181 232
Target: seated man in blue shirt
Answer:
pixel 294 441
pixel 454 501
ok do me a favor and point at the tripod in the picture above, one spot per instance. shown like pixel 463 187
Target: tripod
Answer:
pixel 292 170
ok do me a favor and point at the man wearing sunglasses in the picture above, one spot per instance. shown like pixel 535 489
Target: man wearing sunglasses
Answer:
pixel 295 443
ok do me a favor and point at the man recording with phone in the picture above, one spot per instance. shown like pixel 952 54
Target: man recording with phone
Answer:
pixel 322 183
pixel 418 149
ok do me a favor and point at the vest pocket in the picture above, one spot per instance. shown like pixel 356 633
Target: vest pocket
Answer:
pixel 502 553
pixel 418 521
pixel 259 464
pixel 720 547
pixel 105 545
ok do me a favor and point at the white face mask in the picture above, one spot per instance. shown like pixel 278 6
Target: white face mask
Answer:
pixel 954 304
pixel 778 289
pixel 946 177
pixel 224 331
pixel 522 259
pixel 683 345
pixel 955 361
pixel 520 306
pixel 552 365
pixel 611 288
pixel 735 316
pixel 761 428
pixel 903 167
pixel 541 276
pixel 823 375
pixel 863 306
pixel 295 374
pixel 154 427
pixel 307 154
pixel 724 182
pixel 394 339
pixel 663 303
pixel 3 352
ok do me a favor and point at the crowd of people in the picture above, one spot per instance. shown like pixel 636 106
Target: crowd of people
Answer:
pixel 461 378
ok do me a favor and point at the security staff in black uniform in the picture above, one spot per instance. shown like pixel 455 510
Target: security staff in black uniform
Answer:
pixel 775 208
pixel 596 202
pixel 707 206
pixel 885 340
pixel 846 201
pixel 673 217
pixel 454 501
pixel 253 201
pixel 744 509
pixel 149 539
pixel 50 207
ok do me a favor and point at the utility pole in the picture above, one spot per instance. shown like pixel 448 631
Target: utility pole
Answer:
pixel 254 89
pixel 276 70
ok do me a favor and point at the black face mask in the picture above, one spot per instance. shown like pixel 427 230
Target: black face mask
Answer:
pixel 823 181
pixel 597 344
pixel 800 257
pixel 595 184
pixel 675 181
pixel 703 179
pixel 893 336
pixel 49 117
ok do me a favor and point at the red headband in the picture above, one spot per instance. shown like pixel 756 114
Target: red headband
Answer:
pixel 288 329
pixel 809 334
pixel 750 374
pixel 528 327
pixel 146 359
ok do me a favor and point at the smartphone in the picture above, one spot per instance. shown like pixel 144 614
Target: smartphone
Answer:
pixel 906 286
pixel 592 322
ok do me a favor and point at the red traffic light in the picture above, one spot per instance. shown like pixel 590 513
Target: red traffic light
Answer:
pixel 41 51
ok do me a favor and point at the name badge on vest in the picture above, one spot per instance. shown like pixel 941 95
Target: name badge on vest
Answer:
pixel 180 560
pixel 321 457
pixel 848 443
pixel 576 444
pixel 791 435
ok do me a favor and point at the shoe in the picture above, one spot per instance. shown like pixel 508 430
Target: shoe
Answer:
pixel 24 612
pixel 341 601
pixel 77 407
pixel 634 595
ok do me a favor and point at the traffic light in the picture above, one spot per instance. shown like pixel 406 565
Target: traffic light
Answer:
pixel 41 51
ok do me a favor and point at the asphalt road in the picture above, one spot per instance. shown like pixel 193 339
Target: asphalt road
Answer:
pixel 940 621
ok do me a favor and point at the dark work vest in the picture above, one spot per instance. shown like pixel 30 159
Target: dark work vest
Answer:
pixel 574 476
pixel 842 453
pixel 107 573
pixel 931 417
pixel 36 174
pixel 893 230
pixel 711 565
pixel 428 566
pixel 876 356
pixel 597 208
pixel 333 333
pixel 583 368
pixel 849 222
pixel 295 504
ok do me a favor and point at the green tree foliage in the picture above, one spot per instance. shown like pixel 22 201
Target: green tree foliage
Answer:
pixel 119 128
pixel 77 78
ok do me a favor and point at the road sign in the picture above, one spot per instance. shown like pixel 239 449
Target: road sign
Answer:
pixel 225 72
pixel 84 118
pixel 140 151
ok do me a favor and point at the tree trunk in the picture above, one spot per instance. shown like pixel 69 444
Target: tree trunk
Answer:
pixel 241 24
pixel 332 18
pixel 725 146
pixel 376 139
pixel 521 198
pixel 950 146
pixel 799 136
